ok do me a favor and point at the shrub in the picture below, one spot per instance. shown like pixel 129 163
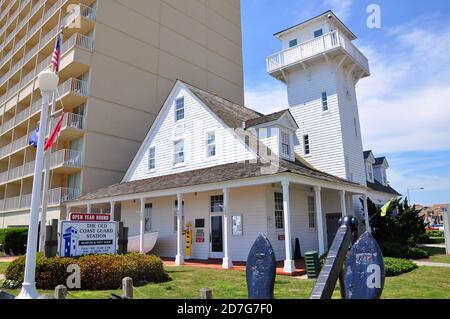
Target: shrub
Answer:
pixel 397 266
pixel 435 233
pixel 398 250
pixel 14 239
pixel 98 272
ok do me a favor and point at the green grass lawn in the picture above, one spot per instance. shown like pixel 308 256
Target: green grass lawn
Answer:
pixel 3 267
pixel 424 283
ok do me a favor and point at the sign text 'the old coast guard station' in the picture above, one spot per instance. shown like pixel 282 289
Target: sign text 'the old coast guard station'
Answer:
pixel 87 238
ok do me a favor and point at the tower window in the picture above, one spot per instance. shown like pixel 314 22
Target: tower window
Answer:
pixel 324 101
pixel 293 43
pixel 179 109
pixel 151 158
pixel 318 33
pixel 306 146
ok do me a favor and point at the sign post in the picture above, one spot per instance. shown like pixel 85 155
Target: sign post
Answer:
pixel 447 229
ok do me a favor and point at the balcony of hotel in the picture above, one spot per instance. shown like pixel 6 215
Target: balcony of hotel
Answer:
pixel 56 197
pixel 330 45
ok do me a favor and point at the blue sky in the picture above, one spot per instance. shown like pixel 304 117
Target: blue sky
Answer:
pixel 404 106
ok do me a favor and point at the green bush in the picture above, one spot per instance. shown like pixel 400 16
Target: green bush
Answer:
pixel 14 239
pixel 435 233
pixel 397 250
pixel 98 272
pixel 397 266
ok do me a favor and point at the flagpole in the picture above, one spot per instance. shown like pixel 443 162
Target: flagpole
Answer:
pixel 47 82
pixel 46 189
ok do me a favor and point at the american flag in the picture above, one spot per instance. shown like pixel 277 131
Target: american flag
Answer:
pixel 56 55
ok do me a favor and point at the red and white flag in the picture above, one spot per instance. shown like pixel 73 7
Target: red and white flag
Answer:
pixel 52 138
pixel 56 57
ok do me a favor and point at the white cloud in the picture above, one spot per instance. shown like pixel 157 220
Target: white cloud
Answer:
pixel 267 98
pixel 341 8
pixel 404 104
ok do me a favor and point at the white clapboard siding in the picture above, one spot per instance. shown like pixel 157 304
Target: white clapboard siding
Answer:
pixel 198 121
pixel 306 33
pixel 323 128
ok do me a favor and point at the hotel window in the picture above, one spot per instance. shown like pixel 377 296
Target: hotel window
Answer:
pixel 175 215
pixel 179 109
pixel 151 159
pixel 279 220
pixel 324 101
pixel 311 212
pixel 285 145
pixel 217 204
pixel 178 152
pixel 293 43
pixel 318 33
pixel 211 144
pixel 306 146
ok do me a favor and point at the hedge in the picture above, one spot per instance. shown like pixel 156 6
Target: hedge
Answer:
pixel 397 266
pixel 397 250
pixel 98 272
pixel 14 239
pixel 435 233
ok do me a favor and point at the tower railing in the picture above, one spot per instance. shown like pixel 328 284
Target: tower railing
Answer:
pixel 314 47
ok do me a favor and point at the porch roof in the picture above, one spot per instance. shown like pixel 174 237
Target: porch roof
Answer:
pixel 210 175
pixel 377 186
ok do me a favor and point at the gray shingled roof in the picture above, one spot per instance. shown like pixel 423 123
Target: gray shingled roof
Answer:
pixel 366 154
pixel 379 160
pixel 265 118
pixel 377 186
pixel 230 113
pixel 215 174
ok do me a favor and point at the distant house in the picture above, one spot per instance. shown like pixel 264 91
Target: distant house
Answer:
pixel 377 180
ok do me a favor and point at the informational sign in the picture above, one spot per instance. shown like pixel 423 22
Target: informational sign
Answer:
pixel 281 237
pixel 200 236
pixel 237 225
pixel 87 238
pixel 90 217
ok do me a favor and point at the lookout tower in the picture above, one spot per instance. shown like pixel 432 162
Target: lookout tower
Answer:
pixel 321 66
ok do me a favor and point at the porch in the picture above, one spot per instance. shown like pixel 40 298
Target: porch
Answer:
pixel 300 268
pixel 226 217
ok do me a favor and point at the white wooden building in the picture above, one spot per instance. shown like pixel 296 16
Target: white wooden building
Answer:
pixel 233 173
pixel 201 164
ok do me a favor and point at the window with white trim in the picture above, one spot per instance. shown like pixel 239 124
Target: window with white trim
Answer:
pixel 211 144
pixel 311 212
pixel 148 215
pixel 179 109
pixel 151 158
pixel 306 145
pixel 216 204
pixel 178 152
pixel 285 143
pixel 318 33
pixel 279 217
pixel 293 43
pixel 324 101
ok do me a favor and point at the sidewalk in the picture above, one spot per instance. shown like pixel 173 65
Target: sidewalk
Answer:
pixel 8 259
pixel 430 264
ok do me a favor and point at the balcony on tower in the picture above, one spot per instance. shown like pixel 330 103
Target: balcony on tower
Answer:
pixel 324 37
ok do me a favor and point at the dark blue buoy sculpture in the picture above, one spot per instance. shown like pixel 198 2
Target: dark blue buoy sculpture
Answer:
pixel 261 269
pixel 364 273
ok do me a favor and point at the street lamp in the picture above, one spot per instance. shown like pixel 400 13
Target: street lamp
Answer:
pixel 47 82
pixel 414 189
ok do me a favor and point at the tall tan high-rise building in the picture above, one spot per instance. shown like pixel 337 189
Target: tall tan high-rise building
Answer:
pixel 117 68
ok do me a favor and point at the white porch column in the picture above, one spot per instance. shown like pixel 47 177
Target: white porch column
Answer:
pixel 343 208
pixel 89 208
pixel 366 214
pixel 289 264
pixel 142 226
pixel 227 262
pixel 179 259
pixel 111 212
pixel 320 230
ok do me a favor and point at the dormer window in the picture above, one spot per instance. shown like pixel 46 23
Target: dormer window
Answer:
pixel 179 109
pixel 285 144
